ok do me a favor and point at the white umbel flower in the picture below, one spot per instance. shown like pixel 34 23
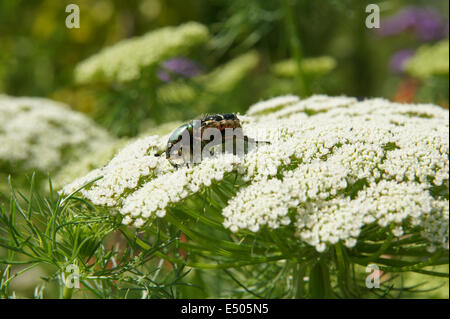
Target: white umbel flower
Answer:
pixel 272 104
pixel 134 164
pixel 334 166
pixel 124 61
pixel 41 134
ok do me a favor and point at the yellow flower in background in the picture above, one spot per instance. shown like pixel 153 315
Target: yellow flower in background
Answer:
pixel 101 11
pixel 150 8
pixel 45 22
pixel 176 92
pixel 79 99
pixel 226 77
pixel 310 66
pixel 429 60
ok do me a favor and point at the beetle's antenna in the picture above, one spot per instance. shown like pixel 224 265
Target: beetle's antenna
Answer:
pixel 203 115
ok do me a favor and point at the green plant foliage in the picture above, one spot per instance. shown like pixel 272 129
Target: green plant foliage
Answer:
pixel 56 232
pixel 355 173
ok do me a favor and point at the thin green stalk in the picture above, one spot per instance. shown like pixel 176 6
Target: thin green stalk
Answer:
pixel 299 281
pixel 295 46
pixel 379 252
pixel 256 261
pixel 319 280
pixel 342 266
pixel 68 292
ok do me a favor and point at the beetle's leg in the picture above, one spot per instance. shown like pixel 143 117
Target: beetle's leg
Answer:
pixel 159 154
pixel 174 164
pixel 252 140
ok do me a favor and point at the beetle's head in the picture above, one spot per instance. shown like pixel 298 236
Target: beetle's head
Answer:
pixel 181 135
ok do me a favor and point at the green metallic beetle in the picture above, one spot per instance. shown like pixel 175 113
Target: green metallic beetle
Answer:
pixel 216 121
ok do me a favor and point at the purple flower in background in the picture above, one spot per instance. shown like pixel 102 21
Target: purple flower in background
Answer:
pixel 179 67
pixel 427 23
pixel 398 60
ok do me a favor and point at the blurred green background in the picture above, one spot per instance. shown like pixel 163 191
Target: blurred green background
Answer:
pixel 38 53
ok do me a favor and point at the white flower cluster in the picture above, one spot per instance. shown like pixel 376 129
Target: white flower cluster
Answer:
pixel 124 61
pixel 103 155
pixel 130 167
pixel 154 197
pixel 88 162
pixel 269 106
pixel 333 166
pixel 38 133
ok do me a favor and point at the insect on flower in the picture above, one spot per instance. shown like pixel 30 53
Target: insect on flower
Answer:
pixel 195 136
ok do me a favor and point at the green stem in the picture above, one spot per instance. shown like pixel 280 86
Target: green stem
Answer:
pixel 295 46
pixel 141 243
pixel 299 283
pixel 343 271
pixel 378 253
pixel 262 260
pixel 431 273
pixel 68 292
pixel 178 261
pixel 319 280
pixel 415 267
